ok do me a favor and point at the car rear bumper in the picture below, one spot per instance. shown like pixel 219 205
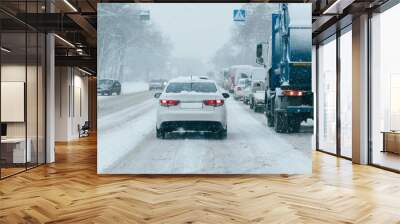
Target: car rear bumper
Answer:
pixel 191 116
pixel 213 126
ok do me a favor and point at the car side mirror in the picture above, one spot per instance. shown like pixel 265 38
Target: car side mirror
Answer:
pixel 225 95
pixel 157 95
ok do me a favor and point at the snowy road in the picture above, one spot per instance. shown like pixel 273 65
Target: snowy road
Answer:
pixel 127 143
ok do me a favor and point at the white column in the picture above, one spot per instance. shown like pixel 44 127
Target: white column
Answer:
pixel 50 99
pixel 360 90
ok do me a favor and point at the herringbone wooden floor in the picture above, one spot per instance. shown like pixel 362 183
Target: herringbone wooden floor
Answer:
pixel 70 191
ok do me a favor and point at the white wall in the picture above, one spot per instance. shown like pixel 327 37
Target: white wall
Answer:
pixel 71 102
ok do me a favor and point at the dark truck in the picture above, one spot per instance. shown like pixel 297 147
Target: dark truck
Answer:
pixel 287 59
pixel 108 87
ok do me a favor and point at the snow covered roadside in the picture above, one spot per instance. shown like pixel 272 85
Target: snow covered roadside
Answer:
pixel 133 87
pixel 112 145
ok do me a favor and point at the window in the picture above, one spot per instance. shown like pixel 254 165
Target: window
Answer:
pixel 203 87
pixel 385 90
pixel 346 94
pixel 327 96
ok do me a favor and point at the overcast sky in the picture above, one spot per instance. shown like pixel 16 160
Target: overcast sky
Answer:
pixel 196 30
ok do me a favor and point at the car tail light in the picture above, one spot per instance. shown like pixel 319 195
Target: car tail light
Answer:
pixel 167 103
pixel 292 93
pixel 214 103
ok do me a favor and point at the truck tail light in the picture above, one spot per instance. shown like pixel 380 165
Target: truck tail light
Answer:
pixel 214 103
pixel 167 103
pixel 292 93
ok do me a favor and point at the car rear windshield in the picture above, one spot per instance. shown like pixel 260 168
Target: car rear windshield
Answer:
pixel 105 82
pixel 201 87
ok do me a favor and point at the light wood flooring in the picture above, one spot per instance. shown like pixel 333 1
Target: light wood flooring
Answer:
pixel 70 191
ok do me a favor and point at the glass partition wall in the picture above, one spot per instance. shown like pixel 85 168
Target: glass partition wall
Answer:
pixel 22 98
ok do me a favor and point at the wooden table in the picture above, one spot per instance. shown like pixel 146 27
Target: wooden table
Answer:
pixel 391 141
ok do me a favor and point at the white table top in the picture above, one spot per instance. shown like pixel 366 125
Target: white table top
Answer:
pixel 13 140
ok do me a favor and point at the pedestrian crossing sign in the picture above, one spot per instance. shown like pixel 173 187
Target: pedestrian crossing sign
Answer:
pixel 239 15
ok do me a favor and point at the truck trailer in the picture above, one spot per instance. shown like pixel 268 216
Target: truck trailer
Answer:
pixel 286 55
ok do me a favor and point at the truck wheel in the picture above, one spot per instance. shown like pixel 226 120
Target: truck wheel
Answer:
pixel 281 124
pixel 294 124
pixel 270 120
pixel 222 134
pixel 160 133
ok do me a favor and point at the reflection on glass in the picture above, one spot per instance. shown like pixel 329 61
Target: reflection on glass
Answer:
pixel 346 94
pixel 327 97
pixel 386 89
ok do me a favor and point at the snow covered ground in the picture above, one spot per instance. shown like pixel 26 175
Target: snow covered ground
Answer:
pixel 127 143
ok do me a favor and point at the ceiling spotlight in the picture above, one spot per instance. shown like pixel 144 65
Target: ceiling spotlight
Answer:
pixel 5 50
pixel 65 41
pixel 70 5
pixel 84 71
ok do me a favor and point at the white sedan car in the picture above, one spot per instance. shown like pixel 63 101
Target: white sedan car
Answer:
pixel 191 104
pixel 239 89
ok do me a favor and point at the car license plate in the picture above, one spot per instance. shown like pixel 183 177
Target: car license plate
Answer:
pixel 191 105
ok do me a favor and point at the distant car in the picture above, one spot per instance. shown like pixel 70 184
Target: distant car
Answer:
pixel 247 92
pixel 157 84
pixel 238 90
pixel 246 95
pixel 191 104
pixel 108 87
pixel 257 96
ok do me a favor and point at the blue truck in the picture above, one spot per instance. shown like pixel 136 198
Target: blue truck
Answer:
pixel 286 55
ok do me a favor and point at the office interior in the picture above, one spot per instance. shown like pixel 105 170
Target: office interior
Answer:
pixel 48 77
pixel 48 171
pixel 372 46
pixel 41 102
